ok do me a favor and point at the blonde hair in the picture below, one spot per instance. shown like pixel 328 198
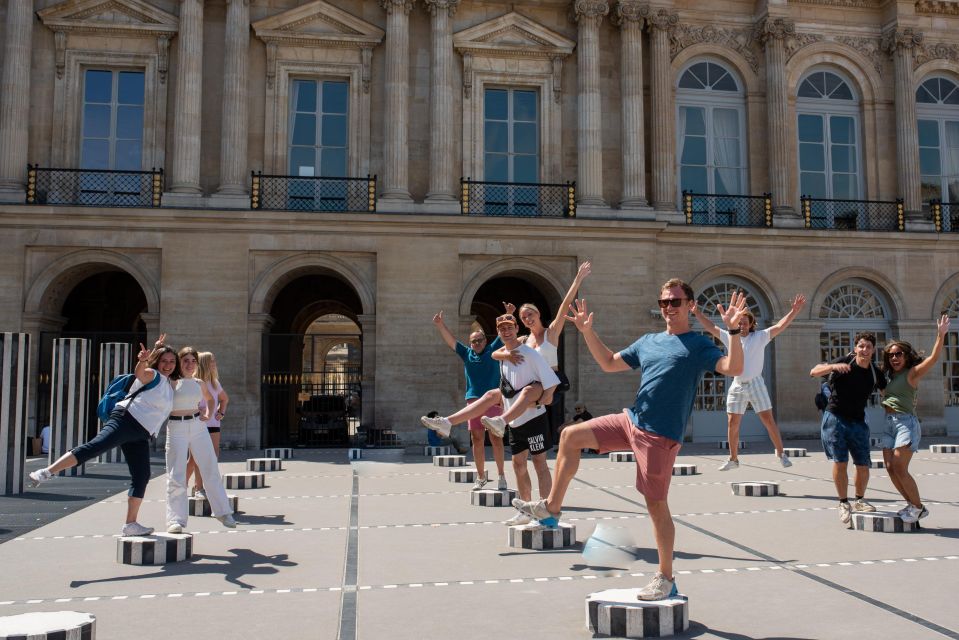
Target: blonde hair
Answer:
pixel 529 305
pixel 206 370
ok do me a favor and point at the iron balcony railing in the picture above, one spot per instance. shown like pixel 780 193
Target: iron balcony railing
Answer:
pixel 853 215
pixel 309 193
pixel 524 200
pixel 945 215
pixel 94 187
pixel 714 209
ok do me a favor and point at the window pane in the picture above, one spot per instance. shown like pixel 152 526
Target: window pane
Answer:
pixel 695 121
pixel 813 87
pixel 524 137
pixel 496 104
pixel 524 105
pixel 128 154
pixel 931 188
pixel 701 72
pixel 924 95
pixel 302 161
pixel 844 186
pixel 726 151
pixel 525 169
pixel 304 129
pixel 810 128
pixel 726 83
pixel 950 93
pixel 98 86
pixel 334 97
pixel 694 150
pixel 130 122
pixel 334 131
pixel 497 167
pixel 130 87
pixel 929 162
pixel 95 154
pixel 693 179
pixel 841 130
pixel 305 95
pixel 842 92
pixel 812 157
pixel 727 181
pixel 813 184
pixel 928 133
pixel 689 81
pixel 951 151
pixel 496 137
pixel 843 158
pixel 333 163
pixel 96 121
pixel 726 123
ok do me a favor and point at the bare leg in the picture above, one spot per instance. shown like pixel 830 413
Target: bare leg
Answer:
pixel 892 468
pixel 479 450
pixel 732 433
pixel 572 441
pixel 909 489
pixel 524 487
pixel 862 479
pixel 665 532
pixel 772 429
pixel 476 409
pixel 66 461
pixel 498 453
pixel 526 399
pixel 544 480
pixel 840 478
pixel 133 508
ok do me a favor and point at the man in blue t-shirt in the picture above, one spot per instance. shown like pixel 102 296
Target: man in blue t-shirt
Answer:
pixel 672 364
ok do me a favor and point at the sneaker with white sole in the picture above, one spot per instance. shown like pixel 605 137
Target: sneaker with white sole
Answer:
pixel 518 519
pixel 227 521
pixel 729 465
pixel 135 529
pixel 537 511
pixel 845 512
pixel 495 424
pixel 38 476
pixel 785 461
pixel 440 425
pixel 200 493
pixel 904 510
pixel 501 484
pixel 862 506
pixel 660 588
pixel 480 483
pixel 174 527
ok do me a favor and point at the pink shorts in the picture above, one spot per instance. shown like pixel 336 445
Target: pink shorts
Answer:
pixel 475 424
pixel 655 454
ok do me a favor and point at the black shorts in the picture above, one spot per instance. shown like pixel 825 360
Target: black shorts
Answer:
pixel 532 436
pixel 213 429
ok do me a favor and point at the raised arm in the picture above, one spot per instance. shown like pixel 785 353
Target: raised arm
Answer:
pixel 708 325
pixel 797 304
pixel 825 368
pixel 555 328
pixel 144 373
pixel 731 364
pixel 606 359
pixel 446 334
pixel 924 367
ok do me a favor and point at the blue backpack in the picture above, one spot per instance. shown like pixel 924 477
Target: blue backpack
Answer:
pixel 118 390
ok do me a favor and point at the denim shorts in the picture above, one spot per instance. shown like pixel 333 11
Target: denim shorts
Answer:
pixel 901 429
pixel 842 438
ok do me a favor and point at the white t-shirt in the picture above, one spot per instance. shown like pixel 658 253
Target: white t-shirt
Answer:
pixel 152 407
pixel 754 353
pixel 534 368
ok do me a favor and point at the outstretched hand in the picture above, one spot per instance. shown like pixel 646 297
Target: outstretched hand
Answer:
pixel 580 315
pixel 584 270
pixel 509 307
pixel 943 325
pixel 144 353
pixel 732 314
pixel 438 318
pixel 798 302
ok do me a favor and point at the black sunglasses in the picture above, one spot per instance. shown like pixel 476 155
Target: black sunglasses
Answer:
pixel 671 302
pixel 895 354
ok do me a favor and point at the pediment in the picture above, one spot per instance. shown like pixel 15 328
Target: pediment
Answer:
pixel 121 17
pixel 510 35
pixel 318 24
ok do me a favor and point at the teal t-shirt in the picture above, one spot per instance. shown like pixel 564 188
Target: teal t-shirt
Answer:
pixel 672 367
pixel 482 372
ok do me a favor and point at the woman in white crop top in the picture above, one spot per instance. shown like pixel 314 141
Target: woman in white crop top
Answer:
pixel 186 434
pixel 209 377
pixel 131 424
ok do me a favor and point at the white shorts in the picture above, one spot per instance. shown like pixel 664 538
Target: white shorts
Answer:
pixel 750 392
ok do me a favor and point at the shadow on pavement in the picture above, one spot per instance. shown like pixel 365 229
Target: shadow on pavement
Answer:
pixel 244 518
pixel 696 630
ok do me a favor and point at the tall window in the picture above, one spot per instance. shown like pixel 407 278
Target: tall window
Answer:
pixel 112 128
pixel 950 354
pixel 938 110
pixel 828 126
pixel 511 150
pixel 318 126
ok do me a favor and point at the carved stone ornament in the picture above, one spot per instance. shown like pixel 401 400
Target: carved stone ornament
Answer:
pixel 908 38
pixel 467 75
pixel 270 64
pixel 557 78
pixel 112 18
pixel 630 12
pixel 439 5
pixel 406 6
pixel 938 51
pixel 870 48
pixel 594 10
pixel 60 56
pixel 163 57
pixel 739 40
pixel 938 7
pixel 774 29
pixel 367 56
pixel 662 19
pixel 318 24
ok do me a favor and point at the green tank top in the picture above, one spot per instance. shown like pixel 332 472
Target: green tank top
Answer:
pixel 900 395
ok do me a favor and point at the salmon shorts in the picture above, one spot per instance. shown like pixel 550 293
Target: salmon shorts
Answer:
pixel 475 424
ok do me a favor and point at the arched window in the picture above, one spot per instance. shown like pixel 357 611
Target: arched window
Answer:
pixel 710 130
pixel 937 105
pixel 950 354
pixel 829 133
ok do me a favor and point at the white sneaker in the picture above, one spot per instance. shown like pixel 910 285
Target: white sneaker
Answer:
pixel 786 462
pixel 200 493
pixel 536 509
pixel 135 529
pixel 659 589
pixel 480 483
pixel 440 425
pixel 904 510
pixel 38 476
pixel 227 521
pixel 862 506
pixel 518 519
pixel 729 465
pixel 496 425
pixel 174 527
pixel 501 484
pixel 845 512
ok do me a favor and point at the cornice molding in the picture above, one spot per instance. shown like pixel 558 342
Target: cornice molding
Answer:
pixel 937 8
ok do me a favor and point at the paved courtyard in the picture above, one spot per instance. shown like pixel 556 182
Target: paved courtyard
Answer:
pixel 389 548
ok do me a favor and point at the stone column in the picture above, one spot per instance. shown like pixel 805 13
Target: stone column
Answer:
pixel 14 384
pixel 396 139
pixel 185 172
pixel 663 120
pixel 233 133
pixel 116 358
pixel 367 322
pixel 900 44
pixel 15 100
pixel 442 190
pixel 589 176
pixel 68 398
pixel 630 17
pixel 772 34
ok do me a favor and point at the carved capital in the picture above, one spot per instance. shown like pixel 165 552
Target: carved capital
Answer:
pixel 367 56
pixel 246 3
pixel 406 6
pixel 774 29
pixel 662 19
pixel 557 62
pixel 467 76
pixel 60 55
pixel 588 10
pixel 450 6
pixel 897 40
pixel 630 12
pixel 163 56
pixel 270 64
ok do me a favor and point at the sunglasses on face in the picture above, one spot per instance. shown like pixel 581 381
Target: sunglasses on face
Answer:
pixel 895 354
pixel 477 340
pixel 670 302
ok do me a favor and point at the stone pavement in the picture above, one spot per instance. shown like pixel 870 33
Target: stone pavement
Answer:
pixel 387 547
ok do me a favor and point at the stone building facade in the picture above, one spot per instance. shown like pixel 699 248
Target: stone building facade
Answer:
pixel 839 117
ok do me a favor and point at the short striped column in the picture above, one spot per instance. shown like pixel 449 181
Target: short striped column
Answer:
pixel 201 506
pixel 877 464
pixel 449 461
pixel 69 390
pixel 684 469
pixel 944 448
pixel 264 464
pixel 355 454
pixel 244 480
pixel 881 522
pixel 539 538
pixel 466 475
pixel 755 489
pixel 619 613
pixel 116 359
pixel 159 548
pixel 443 450
pixel 621 456
pixel 44 625
pixel 283 453
pixel 724 444
pixel 492 497
pixel 795 452
pixel 14 385
pixel 875 442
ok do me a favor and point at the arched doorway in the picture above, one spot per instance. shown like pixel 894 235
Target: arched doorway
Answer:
pixel 312 363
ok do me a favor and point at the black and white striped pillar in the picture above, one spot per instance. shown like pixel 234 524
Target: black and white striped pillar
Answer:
pixel 881 522
pixel 355 454
pixel 944 448
pixel 492 497
pixel 201 506
pixel 14 384
pixel 69 381
pixel 537 537
pixel 466 475
pixel 44 625
pixel 875 442
pixel 619 613
pixel 159 548
pixel 621 456
pixel 116 358
pixel 795 452
pixel 283 453
pixel 442 450
pixel 449 461
pixel 724 444
pixel 684 469
pixel 876 463
pixel 755 488
pixel 244 480
pixel 264 464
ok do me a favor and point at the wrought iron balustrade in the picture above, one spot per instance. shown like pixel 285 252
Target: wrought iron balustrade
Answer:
pixel 522 200
pixel 94 187
pixel 853 215
pixel 945 215
pixel 310 193
pixel 715 209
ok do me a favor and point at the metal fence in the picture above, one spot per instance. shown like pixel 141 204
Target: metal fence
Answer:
pixel 527 200
pixel 308 193
pixel 714 209
pixel 94 188
pixel 945 215
pixel 853 215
